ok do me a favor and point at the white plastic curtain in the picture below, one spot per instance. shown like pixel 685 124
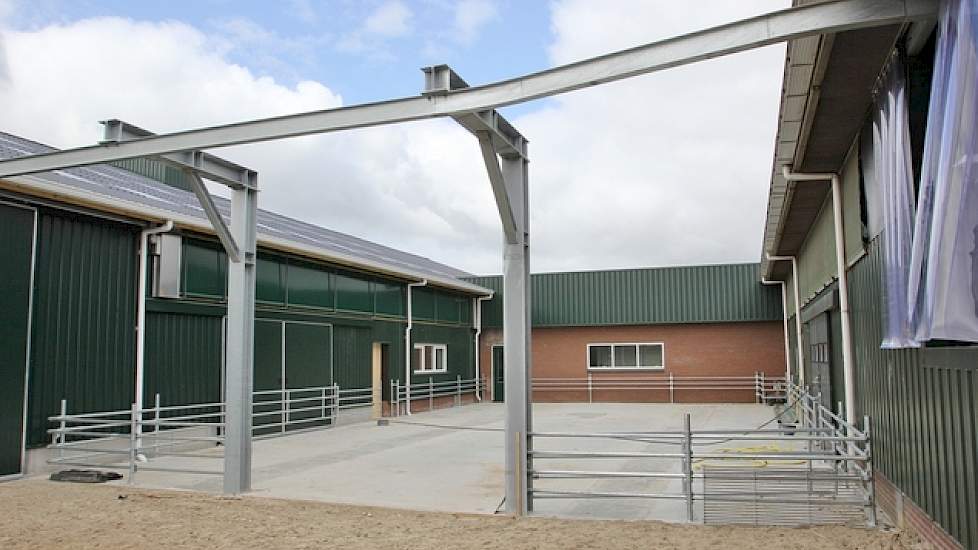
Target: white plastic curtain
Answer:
pixel 943 278
pixel 893 170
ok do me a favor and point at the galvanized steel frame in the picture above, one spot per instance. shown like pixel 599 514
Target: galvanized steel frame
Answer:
pixel 828 438
pixel 441 100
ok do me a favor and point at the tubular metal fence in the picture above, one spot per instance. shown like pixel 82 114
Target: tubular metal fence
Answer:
pixel 819 471
pixel 665 387
pixel 428 391
pixel 188 436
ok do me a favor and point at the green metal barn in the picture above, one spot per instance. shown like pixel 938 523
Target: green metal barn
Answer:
pixel 325 301
pixel 848 99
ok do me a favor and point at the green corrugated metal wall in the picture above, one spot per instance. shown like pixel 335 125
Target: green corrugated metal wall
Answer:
pixel 693 294
pixel 83 334
pixel 924 410
pixel 183 358
pixel 352 356
pixel 83 340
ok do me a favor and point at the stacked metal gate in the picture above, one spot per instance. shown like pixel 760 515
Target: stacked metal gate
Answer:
pixel 817 470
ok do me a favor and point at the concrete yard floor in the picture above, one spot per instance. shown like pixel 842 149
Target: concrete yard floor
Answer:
pixel 452 459
pixel 44 514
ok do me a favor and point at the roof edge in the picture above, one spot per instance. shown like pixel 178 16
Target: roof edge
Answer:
pixel 33 185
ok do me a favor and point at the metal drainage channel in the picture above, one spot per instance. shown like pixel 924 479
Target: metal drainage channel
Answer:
pixel 818 472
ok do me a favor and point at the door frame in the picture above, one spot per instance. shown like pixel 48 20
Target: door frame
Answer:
pixel 27 344
pixel 283 387
pixel 377 377
pixel 492 372
pixel 283 323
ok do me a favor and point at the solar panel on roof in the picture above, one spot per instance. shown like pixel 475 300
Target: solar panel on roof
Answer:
pixel 118 183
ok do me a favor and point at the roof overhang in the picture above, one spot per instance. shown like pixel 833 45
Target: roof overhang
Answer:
pixel 38 186
pixel 826 94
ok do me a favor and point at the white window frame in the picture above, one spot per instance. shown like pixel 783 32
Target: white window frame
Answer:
pixel 638 356
pixel 432 349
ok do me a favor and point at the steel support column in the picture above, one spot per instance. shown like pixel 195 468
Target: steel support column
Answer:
pixel 516 341
pixel 240 341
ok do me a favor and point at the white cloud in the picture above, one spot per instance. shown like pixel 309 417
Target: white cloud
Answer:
pixel 669 168
pixel 470 17
pixel 418 187
pixel 391 19
pixel 388 21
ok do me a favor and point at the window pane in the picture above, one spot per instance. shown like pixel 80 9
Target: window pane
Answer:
pixel 600 356
pixel 650 355
pixel 428 358
pixel 418 358
pixel 440 358
pixel 625 356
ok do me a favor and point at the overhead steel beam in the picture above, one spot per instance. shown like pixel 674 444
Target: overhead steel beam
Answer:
pixel 441 80
pixel 203 164
pixel 810 19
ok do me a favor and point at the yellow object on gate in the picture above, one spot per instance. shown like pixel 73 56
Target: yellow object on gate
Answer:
pixel 747 461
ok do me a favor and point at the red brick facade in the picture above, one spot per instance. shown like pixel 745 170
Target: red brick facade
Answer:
pixel 709 349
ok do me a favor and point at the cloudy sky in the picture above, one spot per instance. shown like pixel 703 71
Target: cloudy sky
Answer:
pixel 666 169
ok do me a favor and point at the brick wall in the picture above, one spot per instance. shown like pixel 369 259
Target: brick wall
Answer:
pixel 908 516
pixel 714 349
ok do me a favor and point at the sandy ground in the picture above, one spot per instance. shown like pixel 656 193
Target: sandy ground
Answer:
pixel 37 513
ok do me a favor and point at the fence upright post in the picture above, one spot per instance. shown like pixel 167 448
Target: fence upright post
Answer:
pixel 133 421
pixel 763 389
pixel 590 388
pixel 156 414
pixel 688 468
pixel 395 398
pixel 431 394
pixel 284 415
pixel 336 402
pixel 59 438
pixel 672 389
pixel 870 483
pixel 458 390
pixel 322 403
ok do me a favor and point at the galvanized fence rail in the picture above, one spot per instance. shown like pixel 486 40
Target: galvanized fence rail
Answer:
pixel 665 388
pixel 431 390
pixel 176 438
pixel 817 472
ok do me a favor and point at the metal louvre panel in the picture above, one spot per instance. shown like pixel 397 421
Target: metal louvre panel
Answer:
pixel 669 295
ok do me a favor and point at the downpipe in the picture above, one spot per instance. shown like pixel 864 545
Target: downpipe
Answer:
pixel 840 260
pixel 407 346
pixel 798 347
pixel 784 318
pixel 141 325
pixel 478 332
